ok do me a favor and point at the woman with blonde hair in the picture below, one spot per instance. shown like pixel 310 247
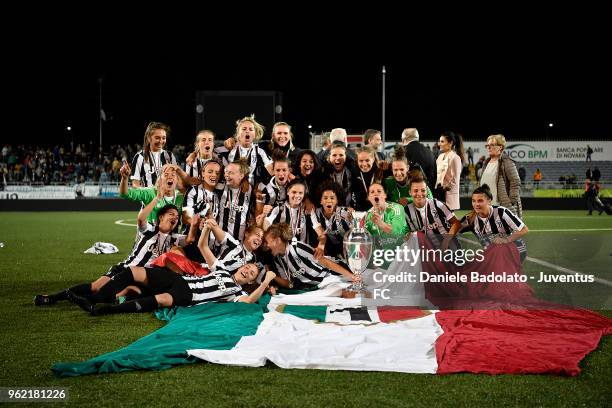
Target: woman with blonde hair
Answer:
pixel 500 174
pixel 249 131
pixel 203 151
pixel 282 140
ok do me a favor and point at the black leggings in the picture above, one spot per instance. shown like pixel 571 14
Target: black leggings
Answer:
pixel 162 280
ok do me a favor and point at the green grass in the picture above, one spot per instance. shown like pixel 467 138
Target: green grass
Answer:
pixel 568 193
pixel 44 253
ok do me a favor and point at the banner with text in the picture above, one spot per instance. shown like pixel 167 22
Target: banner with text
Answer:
pixel 540 151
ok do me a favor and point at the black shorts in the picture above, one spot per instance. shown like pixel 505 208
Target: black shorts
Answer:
pixel 162 280
pixel 116 269
pixel 192 252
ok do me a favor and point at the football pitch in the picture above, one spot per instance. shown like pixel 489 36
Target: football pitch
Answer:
pixel 43 252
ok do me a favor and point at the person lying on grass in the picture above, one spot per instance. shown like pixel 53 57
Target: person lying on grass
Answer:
pixel 152 242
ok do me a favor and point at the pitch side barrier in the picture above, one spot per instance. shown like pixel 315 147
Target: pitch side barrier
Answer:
pixel 111 204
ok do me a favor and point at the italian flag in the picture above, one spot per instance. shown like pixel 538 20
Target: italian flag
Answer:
pixel 318 330
pixel 492 328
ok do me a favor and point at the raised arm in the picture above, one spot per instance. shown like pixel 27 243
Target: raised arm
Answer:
pixel 125 171
pixel 216 229
pixel 322 237
pixel 203 246
pixel 195 221
pixel 254 297
pixel 143 214
pixel 185 178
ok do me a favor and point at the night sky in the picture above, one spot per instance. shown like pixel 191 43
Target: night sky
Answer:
pixel 476 90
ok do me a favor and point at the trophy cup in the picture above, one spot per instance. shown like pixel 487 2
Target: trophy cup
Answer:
pixel 357 245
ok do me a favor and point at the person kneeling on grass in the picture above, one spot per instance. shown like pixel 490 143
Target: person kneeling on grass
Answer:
pixel 152 242
pixel 493 224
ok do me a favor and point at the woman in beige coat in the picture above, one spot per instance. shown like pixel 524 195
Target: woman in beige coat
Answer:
pixel 500 173
pixel 449 164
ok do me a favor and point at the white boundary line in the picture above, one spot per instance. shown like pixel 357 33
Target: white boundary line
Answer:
pixel 121 222
pixel 584 217
pixel 551 266
pixel 572 230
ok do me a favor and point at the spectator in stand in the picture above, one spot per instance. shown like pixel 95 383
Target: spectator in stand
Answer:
pixel 596 175
pixel 435 150
pixel 500 174
pixel 470 155
pixel 537 177
pixel 115 167
pixel 589 152
pixel 522 175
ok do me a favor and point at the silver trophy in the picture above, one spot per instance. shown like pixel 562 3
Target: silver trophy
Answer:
pixel 358 245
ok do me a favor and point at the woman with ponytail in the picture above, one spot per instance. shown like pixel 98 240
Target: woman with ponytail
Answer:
pixel 449 164
pixel 147 163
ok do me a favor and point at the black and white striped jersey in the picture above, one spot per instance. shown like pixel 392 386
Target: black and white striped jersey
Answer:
pixel 275 195
pixel 234 254
pixel 255 156
pixel 201 201
pixel 150 244
pixel 433 218
pixel 501 222
pixel 235 208
pixel 148 171
pixel 299 264
pixel 195 169
pixel 302 225
pixel 336 226
pixel 217 286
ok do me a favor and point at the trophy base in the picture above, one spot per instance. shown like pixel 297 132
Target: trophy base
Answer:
pixel 350 293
